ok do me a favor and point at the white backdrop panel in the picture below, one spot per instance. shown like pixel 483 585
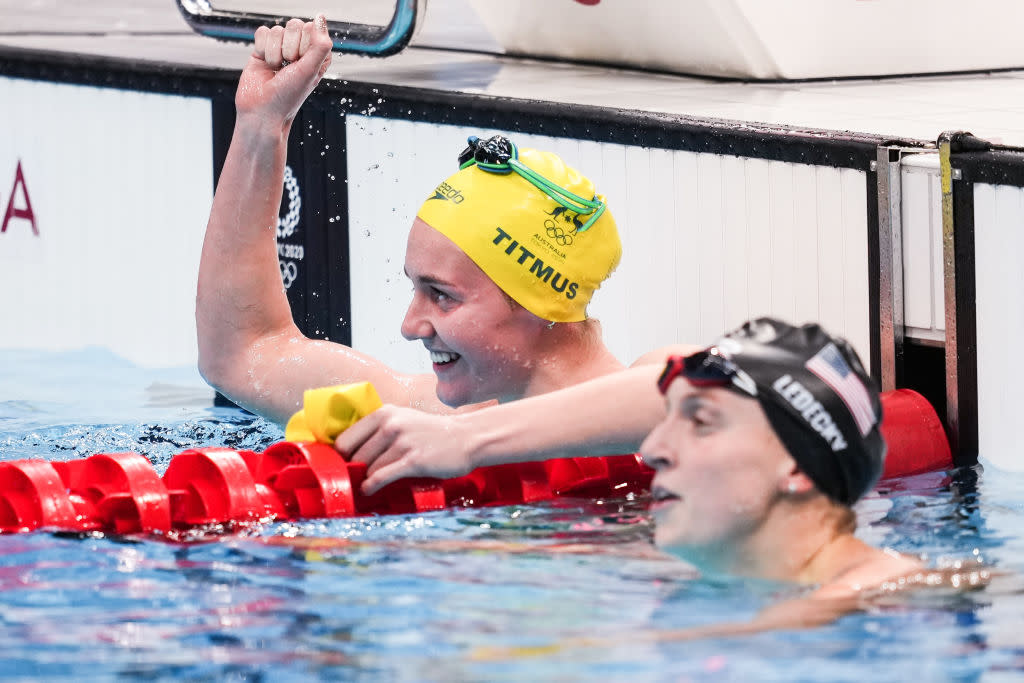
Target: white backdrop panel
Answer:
pixel 923 293
pixel 120 183
pixel 709 240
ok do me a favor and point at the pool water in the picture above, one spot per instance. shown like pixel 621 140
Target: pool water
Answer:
pixel 456 595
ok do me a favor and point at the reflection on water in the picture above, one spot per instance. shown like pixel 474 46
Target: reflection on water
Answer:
pixel 420 597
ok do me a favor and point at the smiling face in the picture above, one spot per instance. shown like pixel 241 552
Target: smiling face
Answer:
pixel 480 341
pixel 719 468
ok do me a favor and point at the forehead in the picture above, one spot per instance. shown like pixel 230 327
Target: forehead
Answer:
pixel 431 255
pixel 682 394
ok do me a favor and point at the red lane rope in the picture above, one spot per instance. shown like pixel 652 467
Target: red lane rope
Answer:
pixel 122 493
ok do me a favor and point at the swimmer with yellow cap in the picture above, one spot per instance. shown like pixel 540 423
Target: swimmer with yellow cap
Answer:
pixel 533 224
pixel 504 257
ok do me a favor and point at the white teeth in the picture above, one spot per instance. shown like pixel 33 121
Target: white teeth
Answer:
pixel 442 357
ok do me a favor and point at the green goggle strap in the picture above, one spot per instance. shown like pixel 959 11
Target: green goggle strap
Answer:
pixel 557 193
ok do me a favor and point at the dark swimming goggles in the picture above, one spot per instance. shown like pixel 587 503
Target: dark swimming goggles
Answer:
pixel 707 368
pixel 500 155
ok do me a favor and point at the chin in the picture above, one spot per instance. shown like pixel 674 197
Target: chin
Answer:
pixel 456 397
pixel 451 400
pixel 673 537
pixel 664 539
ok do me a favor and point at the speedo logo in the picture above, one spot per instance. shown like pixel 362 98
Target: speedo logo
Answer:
pixel 448 193
pixel 529 260
pixel 811 410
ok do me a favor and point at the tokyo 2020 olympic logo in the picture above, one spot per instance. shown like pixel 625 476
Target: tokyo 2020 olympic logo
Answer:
pixel 288 255
pixel 286 226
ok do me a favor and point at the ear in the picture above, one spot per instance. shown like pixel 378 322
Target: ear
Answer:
pixel 793 482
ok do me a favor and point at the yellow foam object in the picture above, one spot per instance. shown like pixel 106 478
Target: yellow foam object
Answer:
pixel 328 411
pixel 526 242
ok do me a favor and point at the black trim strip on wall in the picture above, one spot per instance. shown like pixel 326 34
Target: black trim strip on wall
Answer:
pixel 339 280
pixel 110 72
pixel 965 450
pixel 223 122
pixel 321 303
pixel 608 125
pixel 874 277
pixel 995 167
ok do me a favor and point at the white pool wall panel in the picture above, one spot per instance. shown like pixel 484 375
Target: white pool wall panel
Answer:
pixel 999 248
pixel 120 183
pixel 709 240
pixel 923 291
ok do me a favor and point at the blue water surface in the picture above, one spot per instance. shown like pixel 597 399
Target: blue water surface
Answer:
pixel 493 594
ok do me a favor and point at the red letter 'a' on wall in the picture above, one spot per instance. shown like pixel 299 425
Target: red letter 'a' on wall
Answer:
pixel 14 212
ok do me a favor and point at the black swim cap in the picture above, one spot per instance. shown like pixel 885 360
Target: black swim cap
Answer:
pixel 821 403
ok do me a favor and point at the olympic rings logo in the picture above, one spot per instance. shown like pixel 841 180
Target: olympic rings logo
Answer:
pixel 286 226
pixel 289 271
pixel 558 233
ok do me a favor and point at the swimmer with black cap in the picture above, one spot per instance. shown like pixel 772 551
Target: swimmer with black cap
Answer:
pixel 769 438
pixel 503 256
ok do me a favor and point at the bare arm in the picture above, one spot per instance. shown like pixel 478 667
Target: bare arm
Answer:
pixel 606 416
pixel 249 347
pixel 609 415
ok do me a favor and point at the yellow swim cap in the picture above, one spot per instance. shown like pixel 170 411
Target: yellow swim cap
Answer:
pixel 534 225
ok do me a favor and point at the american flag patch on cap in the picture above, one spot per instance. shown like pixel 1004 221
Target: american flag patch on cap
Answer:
pixel 829 365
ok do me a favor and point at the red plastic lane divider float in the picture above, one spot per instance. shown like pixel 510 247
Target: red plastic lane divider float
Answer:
pixel 122 493
pixel 916 438
pixel 118 491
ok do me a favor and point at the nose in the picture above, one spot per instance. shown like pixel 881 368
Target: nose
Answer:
pixel 416 324
pixel 656 451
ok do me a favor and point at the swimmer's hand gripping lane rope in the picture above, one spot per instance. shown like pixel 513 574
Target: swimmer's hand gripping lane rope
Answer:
pixel 213 488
